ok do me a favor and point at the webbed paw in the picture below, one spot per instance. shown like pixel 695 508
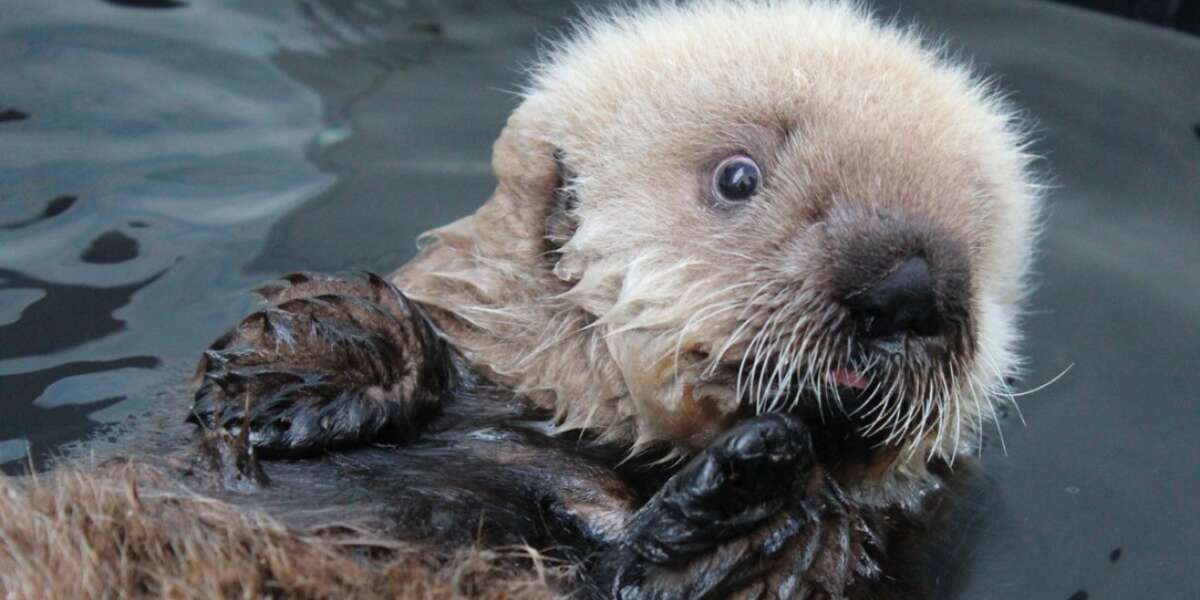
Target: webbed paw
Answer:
pixel 745 477
pixel 718 522
pixel 332 361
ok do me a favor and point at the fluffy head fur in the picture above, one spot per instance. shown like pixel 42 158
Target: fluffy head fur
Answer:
pixel 604 280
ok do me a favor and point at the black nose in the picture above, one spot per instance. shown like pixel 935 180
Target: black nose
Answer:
pixel 902 302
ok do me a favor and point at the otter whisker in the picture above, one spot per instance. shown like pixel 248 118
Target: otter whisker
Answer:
pixel 824 366
pixel 1043 386
pixel 746 322
pixel 810 371
pixel 979 414
pixel 868 407
pixel 988 400
pixel 991 409
pixel 783 367
pixel 906 411
pixel 911 424
pixel 886 407
pixel 766 353
pixel 929 406
pixel 959 420
pixel 899 411
pixel 866 403
pixel 921 414
pixel 944 412
pixel 1000 387
pixel 754 343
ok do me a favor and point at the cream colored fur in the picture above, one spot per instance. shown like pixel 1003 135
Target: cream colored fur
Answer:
pixel 623 330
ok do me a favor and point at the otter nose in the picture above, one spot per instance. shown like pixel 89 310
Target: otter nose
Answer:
pixel 902 302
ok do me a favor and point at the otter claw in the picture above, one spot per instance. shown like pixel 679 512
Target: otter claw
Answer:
pixel 334 361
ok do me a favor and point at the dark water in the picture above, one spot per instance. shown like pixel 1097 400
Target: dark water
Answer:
pixel 158 158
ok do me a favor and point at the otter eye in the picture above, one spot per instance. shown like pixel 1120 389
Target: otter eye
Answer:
pixel 737 178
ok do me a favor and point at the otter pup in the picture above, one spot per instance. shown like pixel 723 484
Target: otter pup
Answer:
pixel 779 240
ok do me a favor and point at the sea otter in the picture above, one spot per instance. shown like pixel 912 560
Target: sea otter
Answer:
pixel 778 241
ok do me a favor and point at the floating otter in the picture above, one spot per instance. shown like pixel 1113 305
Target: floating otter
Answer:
pixel 778 241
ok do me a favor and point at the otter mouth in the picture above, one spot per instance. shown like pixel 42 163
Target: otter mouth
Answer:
pixel 850 378
pixel 844 394
pixel 890 388
pixel 843 407
pixel 847 397
pixel 842 390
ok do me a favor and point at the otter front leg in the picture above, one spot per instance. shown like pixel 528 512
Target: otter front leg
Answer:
pixel 704 534
pixel 332 361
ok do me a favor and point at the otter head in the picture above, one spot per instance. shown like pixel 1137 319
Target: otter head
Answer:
pixel 715 209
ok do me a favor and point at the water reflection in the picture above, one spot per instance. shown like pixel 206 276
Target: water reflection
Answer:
pixel 453 67
pixel 54 207
pixel 12 114
pixel 64 316
pixel 111 247
pixel 44 428
pixel 185 143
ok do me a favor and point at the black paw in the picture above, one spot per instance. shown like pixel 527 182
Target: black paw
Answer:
pixel 745 477
pixel 333 361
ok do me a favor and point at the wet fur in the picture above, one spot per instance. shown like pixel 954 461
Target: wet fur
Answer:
pixel 130 530
pixel 760 512
pixel 757 514
pixel 486 503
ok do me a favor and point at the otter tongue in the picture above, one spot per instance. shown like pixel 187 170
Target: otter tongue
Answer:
pixel 849 378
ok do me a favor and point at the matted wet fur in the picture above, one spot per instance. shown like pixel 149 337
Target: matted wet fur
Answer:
pixel 482 508
pixel 760 512
pixel 731 325
pixel 128 530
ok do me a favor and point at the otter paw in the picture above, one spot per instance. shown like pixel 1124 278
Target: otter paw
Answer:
pixel 352 363
pixel 745 477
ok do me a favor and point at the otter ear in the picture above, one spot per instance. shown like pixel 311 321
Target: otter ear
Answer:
pixel 560 217
pixel 472 260
pixel 522 211
pixel 522 159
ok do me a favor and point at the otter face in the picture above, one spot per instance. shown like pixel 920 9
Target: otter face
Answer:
pixel 787 206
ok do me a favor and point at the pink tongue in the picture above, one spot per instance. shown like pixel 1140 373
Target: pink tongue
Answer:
pixel 850 378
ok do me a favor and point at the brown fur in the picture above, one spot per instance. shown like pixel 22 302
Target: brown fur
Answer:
pixel 127 530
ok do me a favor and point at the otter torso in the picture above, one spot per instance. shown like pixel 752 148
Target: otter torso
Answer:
pixel 337 361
